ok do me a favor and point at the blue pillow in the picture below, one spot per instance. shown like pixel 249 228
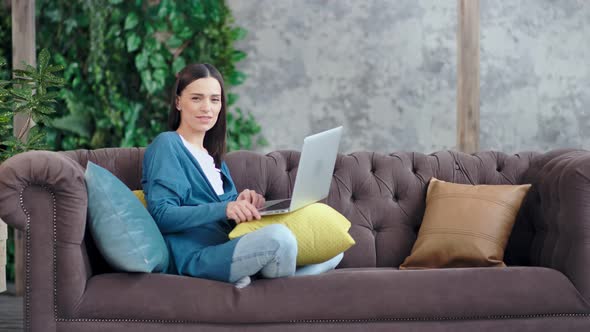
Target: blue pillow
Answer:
pixel 124 231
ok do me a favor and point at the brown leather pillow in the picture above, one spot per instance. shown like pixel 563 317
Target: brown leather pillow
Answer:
pixel 465 225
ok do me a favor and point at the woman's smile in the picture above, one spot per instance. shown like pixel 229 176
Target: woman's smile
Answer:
pixel 204 118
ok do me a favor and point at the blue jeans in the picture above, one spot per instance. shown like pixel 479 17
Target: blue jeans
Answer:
pixel 272 251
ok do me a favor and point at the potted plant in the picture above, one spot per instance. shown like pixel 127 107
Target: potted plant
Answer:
pixel 30 91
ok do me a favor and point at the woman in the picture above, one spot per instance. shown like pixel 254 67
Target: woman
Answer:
pixel 191 195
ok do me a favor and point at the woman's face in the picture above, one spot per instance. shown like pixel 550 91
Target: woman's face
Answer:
pixel 199 104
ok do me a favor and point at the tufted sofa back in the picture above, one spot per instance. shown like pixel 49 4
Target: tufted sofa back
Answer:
pixel 382 195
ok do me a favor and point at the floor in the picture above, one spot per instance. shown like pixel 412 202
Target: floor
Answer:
pixel 11 311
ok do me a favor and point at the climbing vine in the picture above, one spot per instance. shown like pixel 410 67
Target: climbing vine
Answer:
pixel 120 58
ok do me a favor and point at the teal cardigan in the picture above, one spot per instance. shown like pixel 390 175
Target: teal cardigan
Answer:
pixel 188 212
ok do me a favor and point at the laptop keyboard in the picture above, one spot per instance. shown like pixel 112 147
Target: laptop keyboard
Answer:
pixel 279 206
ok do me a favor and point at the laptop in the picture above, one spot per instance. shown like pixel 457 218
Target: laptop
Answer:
pixel 314 174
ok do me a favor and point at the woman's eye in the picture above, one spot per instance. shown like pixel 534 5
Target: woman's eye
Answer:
pixel 216 100
pixel 196 98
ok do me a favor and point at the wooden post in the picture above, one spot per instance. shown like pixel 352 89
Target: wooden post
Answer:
pixel 23 49
pixel 3 227
pixel 468 76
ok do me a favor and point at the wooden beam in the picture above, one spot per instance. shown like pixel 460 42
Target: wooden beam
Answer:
pixel 6 4
pixel 468 76
pixel 23 49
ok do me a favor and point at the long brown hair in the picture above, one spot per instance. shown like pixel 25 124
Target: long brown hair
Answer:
pixel 215 137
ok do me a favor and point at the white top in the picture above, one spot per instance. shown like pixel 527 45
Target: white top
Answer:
pixel 207 164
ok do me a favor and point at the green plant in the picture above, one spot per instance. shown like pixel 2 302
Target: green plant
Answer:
pixel 28 93
pixel 120 58
pixel 5 112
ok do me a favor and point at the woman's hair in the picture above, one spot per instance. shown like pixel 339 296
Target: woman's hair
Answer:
pixel 215 137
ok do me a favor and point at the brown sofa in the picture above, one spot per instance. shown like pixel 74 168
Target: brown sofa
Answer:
pixel 546 286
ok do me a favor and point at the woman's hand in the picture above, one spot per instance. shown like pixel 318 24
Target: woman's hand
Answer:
pixel 241 211
pixel 252 197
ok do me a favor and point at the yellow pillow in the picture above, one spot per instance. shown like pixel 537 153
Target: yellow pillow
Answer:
pixel 141 196
pixel 321 231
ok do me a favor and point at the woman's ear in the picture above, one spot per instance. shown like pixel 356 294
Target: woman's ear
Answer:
pixel 178 103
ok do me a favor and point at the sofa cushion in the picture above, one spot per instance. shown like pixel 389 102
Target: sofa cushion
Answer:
pixel 321 231
pixel 465 225
pixel 141 197
pixel 342 294
pixel 123 230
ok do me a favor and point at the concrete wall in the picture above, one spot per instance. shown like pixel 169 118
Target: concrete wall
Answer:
pixel 535 74
pixel 386 70
pixel 383 69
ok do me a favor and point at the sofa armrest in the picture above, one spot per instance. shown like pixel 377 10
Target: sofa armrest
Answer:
pixel 562 218
pixel 44 194
pixel 3 238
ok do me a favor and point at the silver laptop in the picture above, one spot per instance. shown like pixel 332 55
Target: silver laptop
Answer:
pixel 314 173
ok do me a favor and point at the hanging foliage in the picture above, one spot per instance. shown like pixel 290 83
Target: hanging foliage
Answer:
pixel 120 58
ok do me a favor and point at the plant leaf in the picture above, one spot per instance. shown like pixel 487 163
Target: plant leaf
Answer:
pixel 178 64
pixel 173 42
pixel 45 110
pixel 238 56
pixel 158 61
pixel 22 93
pixel 54 68
pixel 77 123
pixel 141 60
pixel 43 60
pixel 133 42
pixel 131 21
pixel 159 77
pixel 238 33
